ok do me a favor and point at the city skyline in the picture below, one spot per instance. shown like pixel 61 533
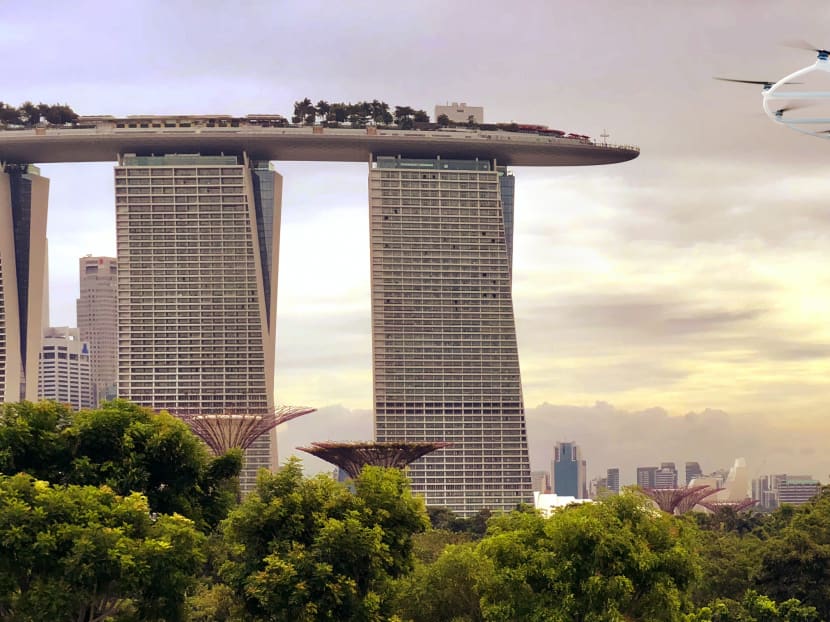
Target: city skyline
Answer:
pixel 691 279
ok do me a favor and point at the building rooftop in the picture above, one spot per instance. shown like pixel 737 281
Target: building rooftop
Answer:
pixel 64 144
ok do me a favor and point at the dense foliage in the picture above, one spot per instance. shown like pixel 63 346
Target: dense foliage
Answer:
pixel 125 447
pixel 357 115
pixel 30 115
pixel 85 553
pixel 121 514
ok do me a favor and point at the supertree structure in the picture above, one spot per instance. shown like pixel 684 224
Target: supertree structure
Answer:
pixel 735 506
pixel 668 499
pixel 688 503
pixel 229 430
pixel 353 456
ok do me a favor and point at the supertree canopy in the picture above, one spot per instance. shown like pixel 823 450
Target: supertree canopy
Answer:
pixel 689 502
pixel 736 506
pixel 668 499
pixel 229 430
pixel 353 456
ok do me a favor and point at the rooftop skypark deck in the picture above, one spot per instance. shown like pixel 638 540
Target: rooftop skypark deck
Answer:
pixel 44 145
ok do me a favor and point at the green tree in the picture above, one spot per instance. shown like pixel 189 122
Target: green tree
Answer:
pixel 29 114
pixel 446 590
pixel 795 557
pixel 443 120
pixel 612 560
pixel 309 549
pixel 125 447
pixel 322 109
pixel 754 607
pixel 303 111
pixel 85 553
pixel 9 115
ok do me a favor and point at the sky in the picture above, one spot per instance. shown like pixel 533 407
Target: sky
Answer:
pixel 671 308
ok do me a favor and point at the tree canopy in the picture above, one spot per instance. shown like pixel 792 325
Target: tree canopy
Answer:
pixel 310 549
pixel 85 553
pixel 29 114
pixel 125 447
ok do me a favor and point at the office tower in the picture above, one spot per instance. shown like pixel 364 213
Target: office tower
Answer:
pixel 568 471
pixel 445 360
pixel 647 477
pixel 692 471
pixel 666 476
pixel 540 481
pixel 198 245
pixel 65 372
pixel 612 477
pixel 97 312
pixel 798 489
pixel 23 281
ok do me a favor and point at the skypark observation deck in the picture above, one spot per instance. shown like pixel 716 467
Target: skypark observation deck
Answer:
pixel 45 145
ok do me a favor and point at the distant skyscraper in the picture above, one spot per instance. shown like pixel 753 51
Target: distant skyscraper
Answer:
pixel 446 365
pixel 568 471
pixel 65 371
pixel 692 471
pixel 198 244
pixel 772 490
pixel 612 477
pixel 647 477
pixel 540 481
pixel 97 321
pixel 23 280
pixel 666 476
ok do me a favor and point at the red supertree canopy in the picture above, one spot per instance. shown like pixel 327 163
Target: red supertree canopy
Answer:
pixel 353 456
pixel 737 506
pixel 229 430
pixel 689 502
pixel 668 499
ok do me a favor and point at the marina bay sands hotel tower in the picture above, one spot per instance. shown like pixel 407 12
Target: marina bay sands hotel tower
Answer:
pixel 198 215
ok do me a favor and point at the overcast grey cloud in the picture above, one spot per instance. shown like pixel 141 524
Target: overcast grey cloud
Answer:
pixel 691 280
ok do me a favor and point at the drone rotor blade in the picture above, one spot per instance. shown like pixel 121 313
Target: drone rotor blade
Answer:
pixel 792 107
pixel 801 44
pixel 761 82
pixel 743 81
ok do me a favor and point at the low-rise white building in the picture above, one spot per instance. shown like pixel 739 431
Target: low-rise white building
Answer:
pixel 65 373
pixel 548 502
pixel 460 113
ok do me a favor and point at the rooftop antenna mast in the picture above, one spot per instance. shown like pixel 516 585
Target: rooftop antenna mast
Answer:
pixel 604 136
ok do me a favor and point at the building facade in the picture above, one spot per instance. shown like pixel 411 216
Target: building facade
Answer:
pixel 97 312
pixel 460 112
pixel 612 478
pixel 23 279
pixel 198 246
pixel 666 476
pixel 65 368
pixel 445 359
pixel 770 491
pixel 568 471
pixel 647 477
pixel 692 471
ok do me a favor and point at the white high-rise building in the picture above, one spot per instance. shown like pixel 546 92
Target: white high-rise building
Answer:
pixel 23 280
pixel 97 321
pixel 446 366
pixel 198 246
pixel 65 373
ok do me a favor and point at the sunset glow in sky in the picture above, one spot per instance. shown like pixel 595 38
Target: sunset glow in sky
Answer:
pixel 671 308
